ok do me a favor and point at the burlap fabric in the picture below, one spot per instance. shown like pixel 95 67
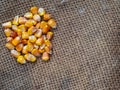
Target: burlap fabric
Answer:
pixel 86 54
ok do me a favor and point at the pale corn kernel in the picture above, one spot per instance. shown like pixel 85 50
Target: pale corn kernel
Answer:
pixel 25 35
pixel 38 33
pixel 34 10
pixel 47 16
pixel 45 29
pixel 49 35
pixel 7 25
pixel 30 57
pixel 25 49
pixel 22 27
pixel 42 24
pixel 37 25
pixel 16 40
pixel 52 23
pixel 28 15
pixel 32 30
pixel 9 39
pixel 32 38
pixel 36 46
pixel 35 52
pixel 19 32
pixel 22 20
pixel 40 41
pixel 8 32
pixel 37 18
pixel 14 27
pixel 42 46
pixel 44 36
pixel 9 46
pixel 15 21
pixel 21 60
pixel 33 21
pixel 29 23
pixel 41 50
pixel 41 11
pixel 15 53
pixel 29 47
pixel 13 34
pixel 45 56
pixel 19 47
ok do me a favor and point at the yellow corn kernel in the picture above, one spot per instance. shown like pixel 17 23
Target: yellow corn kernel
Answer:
pixel 24 41
pixel 25 35
pixel 28 15
pixel 30 57
pixel 47 16
pixel 25 49
pixel 52 23
pixel 37 18
pixel 41 50
pixel 32 38
pixel 35 52
pixel 38 33
pixel 48 43
pixel 21 60
pixel 49 35
pixel 41 11
pixel 19 32
pixel 45 29
pixel 45 56
pixel 32 30
pixel 14 27
pixel 40 41
pixel 7 25
pixel 22 20
pixel 29 23
pixel 42 46
pixel 16 40
pixel 33 21
pixel 9 39
pixel 13 34
pixel 9 45
pixel 15 53
pixel 8 32
pixel 15 21
pixel 37 25
pixel 42 24
pixel 36 46
pixel 19 47
pixel 29 47
pixel 22 27
pixel 34 9
pixel 47 49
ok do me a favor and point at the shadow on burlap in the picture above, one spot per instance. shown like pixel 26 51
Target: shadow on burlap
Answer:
pixel 86 54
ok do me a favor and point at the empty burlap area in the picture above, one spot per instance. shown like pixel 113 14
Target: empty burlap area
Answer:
pixel 86 47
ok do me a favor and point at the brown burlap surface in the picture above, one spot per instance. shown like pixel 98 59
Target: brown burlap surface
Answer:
pixel 86 54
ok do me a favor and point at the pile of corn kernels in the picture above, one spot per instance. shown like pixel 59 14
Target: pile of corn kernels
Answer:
pixel 29 36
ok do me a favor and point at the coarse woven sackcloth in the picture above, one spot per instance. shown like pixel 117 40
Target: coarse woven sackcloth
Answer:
pixel 86 52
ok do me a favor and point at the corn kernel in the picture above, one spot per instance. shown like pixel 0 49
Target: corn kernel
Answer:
pixel 42 24
pixel 30 57
pixel 9 39
pixel 41 50
pixel 25 35
pixel 9 45
pixel 21 60
pixel 19 32
pixel 34 10
pixel 28 15
pixel 49 35
pixel 32 30
pixel 37 18
pixel 16 40
pixel 33 21
pixel 42 46
pixel 15 21
pixel 25 49
pixel 29 23
pixel 45 56
pixel 35 52
pixel 14 27
pixel 32 38
pixel 24 41
pixel 47 16
pixel 47 49
pixel 36 46
pixel 40 41
pixel 37 25
pixel 22 20
pixel 48 43
pixel 15 53
pixel 8 32
pixel 13 34
pixel 52 23
pixel 38 33
pixel 45 29
pixel 29 47
pixel 22 27
pixel 41 11
pixel 7 25
pixel 44 36
pixel 19 47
